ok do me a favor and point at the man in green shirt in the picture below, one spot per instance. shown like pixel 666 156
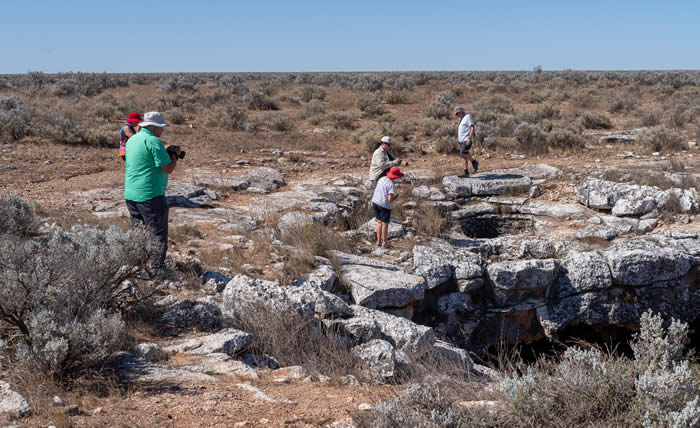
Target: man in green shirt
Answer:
pixel 148 164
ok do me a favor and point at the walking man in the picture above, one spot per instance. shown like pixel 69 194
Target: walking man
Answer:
pixel 148 164
pixel 465 136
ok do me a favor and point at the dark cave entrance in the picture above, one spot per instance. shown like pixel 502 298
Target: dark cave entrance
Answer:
pixel 489 226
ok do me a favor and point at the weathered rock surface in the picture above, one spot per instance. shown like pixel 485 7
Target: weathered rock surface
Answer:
pixel 396 229
pixel 377 358
pixel 430 193
pixel 438 261
pixel 243 294
pixel 152 352
pixel 485 184
pixel 381 288
pixel 597 231
pixel 633 200
pixel 189 314
pixel 457 356
pixel 12 403
pixel 368 324
pixel 228 341
pixel 220 363
pixel 553 210
pixel 515 281
pixel 133 368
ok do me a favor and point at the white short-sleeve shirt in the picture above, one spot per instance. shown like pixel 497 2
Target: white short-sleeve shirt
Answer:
pixel 385 187
pixel 463 130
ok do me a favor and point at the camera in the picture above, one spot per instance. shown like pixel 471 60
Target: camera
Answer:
pixel 173 154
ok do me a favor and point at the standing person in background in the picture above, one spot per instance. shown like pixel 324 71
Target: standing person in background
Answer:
pixel 384 196
pixel 148 164
pixel 382 160
pixel 128 130
pixel 465 136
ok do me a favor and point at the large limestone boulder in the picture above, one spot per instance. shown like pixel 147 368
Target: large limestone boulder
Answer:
pixel 243 294
pixel 376 284
pixel 437 261
pixel 646 266
pixel 267 179
pixel 515 281
pixel 553 210
pixel 377 358
pixel 368 324
pixel 581 271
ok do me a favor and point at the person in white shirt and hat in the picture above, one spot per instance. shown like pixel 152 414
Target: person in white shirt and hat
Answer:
pixel 382 160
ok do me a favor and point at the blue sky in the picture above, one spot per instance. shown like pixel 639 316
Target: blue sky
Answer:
pixel 218 36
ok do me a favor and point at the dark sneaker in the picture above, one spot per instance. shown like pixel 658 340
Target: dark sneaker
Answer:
pixel 464 175
pixel 475 165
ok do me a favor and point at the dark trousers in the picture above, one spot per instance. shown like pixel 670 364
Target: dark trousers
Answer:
pixel 154 214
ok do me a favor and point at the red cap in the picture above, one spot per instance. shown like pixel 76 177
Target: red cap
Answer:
pixel 134 117
pixel 394 173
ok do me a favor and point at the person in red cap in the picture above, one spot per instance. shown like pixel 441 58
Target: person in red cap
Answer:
pixel 384 195
pixel 129 129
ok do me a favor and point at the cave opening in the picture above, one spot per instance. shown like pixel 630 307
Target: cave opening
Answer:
pixel 489 226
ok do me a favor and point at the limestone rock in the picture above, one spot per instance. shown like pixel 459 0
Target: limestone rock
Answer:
pixel 438 261
pixel 189 314
pixel 243 294
pixel 396 229
pixel 377 358
pixel 267 179
pixel 455 355
pixel 553 210
pixel 581 272
pixel 597 231
pixel 223 364
pixel 486 184
pixel 152 352
pixel 133 368
pixel 636 267
pixel 12 403
pixel 380 288
pixel 430 193
pixel 515 281
pixel 229 341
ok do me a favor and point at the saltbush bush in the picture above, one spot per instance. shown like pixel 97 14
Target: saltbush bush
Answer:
pixel 277 122
pixel 15 117
pixel 661 139
pixel 395 97
pixel 369 105
pixel 235 116
pixel 61 293
pixel 438 111
pixel 341 119
pixel 257 100
pixel 593 120
pixel 445 98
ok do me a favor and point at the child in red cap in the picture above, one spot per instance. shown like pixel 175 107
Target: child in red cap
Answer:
pixel 384 195
pixel 128 130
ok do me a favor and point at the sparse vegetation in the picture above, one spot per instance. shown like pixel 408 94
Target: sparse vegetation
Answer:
pixel 593 120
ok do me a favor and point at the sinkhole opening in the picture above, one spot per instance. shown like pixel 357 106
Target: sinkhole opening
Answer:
pixel 490 226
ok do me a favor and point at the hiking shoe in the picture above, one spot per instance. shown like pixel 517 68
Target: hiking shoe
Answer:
pixel 464 175
pixel 387 245
pixel 475 165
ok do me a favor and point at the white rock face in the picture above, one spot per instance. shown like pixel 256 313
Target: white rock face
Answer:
pixel 486 184
pixel 378 359
pixel 380 288
pixel 229 341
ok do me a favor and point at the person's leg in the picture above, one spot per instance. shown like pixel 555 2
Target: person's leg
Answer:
pixel 385 232
pixel 134 213
pixel 379 232
pixel 155 213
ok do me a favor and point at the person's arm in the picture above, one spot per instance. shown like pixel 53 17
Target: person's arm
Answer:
pixel 471 133
pixel 384 164
pixel 391 197
pixel 169 168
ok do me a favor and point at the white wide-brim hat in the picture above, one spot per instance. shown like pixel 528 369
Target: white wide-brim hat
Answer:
pixel 153 118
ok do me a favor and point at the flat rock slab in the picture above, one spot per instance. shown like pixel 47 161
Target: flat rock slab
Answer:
pixel 378 359
pixel 243 294
pixel 134 368
pixel 380 288
pixel 223 364
pixel 229 341
pixel 487 184
pixel 553 210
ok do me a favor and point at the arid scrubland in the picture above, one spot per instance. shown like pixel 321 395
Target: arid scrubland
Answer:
pixel 71 295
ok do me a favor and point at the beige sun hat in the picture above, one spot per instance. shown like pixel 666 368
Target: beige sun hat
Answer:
pixel 458 109
pixel 153 118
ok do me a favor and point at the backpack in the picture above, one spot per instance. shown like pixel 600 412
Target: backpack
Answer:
pixel 123 138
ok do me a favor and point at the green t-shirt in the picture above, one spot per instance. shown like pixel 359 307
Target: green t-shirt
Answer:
pixel 145 180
